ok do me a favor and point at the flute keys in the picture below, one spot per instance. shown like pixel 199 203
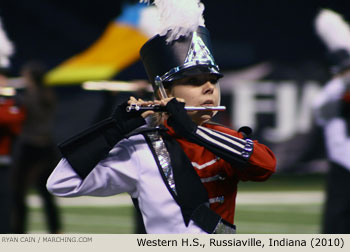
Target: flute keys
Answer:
pixel 132 107
pixel 158 108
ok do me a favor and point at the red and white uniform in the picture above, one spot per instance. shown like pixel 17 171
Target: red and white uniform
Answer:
pixel 221 178
pixel 131 167
pixel 11 118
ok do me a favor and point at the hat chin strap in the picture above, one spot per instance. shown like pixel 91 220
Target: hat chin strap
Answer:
pixel 159 89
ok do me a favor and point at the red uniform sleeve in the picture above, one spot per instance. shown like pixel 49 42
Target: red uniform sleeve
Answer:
pixel 11 117
pixel 261 163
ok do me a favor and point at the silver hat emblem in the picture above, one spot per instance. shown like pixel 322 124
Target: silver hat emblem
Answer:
pixel 199 52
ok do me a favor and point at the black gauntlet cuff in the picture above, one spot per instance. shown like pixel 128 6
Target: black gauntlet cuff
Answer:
pixel 127 121
pixel 179 120
pixel 86 149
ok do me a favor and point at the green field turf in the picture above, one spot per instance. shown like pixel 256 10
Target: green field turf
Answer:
pixel 287 182
pixel 250 218
pixel 280 219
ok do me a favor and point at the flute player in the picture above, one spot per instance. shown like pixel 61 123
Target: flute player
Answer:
pixel 184 171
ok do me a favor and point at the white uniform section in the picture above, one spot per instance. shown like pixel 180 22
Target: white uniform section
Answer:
pixel 335 129
pixel 131 168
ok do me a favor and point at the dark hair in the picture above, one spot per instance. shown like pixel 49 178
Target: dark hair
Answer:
pixel 4 71
pixel 36 71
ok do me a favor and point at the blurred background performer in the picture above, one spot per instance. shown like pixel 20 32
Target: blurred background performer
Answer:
pixel 332 109
pixel 11 117
pixel 35 153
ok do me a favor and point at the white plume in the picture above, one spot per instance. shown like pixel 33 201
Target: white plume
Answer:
pixel 180 17
pixel 6 48
pixel 149 21
pixel 333 30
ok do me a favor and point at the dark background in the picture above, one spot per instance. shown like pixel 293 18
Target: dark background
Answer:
pixel 244 33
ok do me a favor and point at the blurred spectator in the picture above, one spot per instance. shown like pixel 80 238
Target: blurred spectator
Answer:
pixel 35 154
pixel 332 110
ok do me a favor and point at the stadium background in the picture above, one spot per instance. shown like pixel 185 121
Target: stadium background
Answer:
pixel 266 48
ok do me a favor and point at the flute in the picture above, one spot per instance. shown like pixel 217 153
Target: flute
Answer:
pixel 158 108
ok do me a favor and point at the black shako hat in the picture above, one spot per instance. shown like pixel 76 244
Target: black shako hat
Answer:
pixel 186 56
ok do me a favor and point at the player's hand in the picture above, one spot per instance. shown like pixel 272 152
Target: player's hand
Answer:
pixel 140 102
pixel 128 121
pixel 178 119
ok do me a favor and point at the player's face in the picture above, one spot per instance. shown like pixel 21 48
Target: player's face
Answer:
pixel 200 91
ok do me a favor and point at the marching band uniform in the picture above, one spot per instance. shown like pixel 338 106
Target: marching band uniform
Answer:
pixel 336 126
pixel 332 113
pixel 182 176
pixel 11 117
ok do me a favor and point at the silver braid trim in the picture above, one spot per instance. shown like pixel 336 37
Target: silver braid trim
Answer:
pixel 222 228
pixel 248 149
pixel 163 158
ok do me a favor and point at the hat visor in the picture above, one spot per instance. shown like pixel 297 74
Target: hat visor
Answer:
pixel 193 71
